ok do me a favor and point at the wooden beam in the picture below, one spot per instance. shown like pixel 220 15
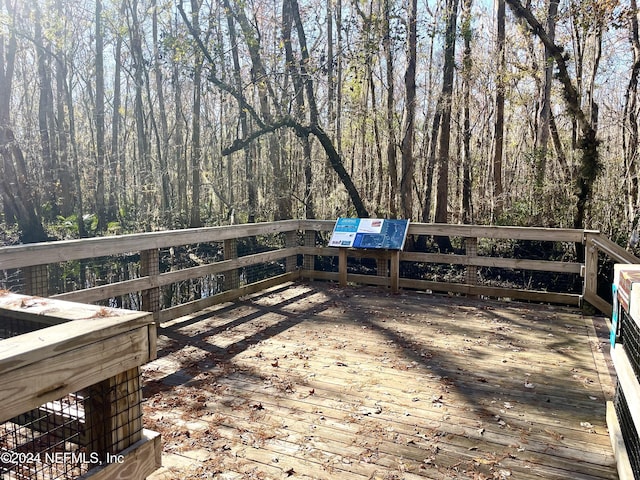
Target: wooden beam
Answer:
pixel 498 292
pixel 342 266
pixel 95 294
pixel 482 231
pixel 611 249
pixel 150 267
pixel 478 231
pixel 197 305
pixel 45 380
pixel 617 442
pixel 395 271
pixel 308 261
pixel 471 271
pixel 122 288
pixel 231 276
pixel 134 463
pixel 598 303
pixel 21 256
pixel 451 259
pixel 590 285
pixel 291 242
pixel 93 324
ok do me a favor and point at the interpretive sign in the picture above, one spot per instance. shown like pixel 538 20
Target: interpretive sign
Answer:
pixel 369 233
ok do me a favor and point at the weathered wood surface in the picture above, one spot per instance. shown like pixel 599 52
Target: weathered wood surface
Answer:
pixel 52 252
pixel 138 461
pixel 33 259
pixel 625 471
pixel 500 292
pixel 316 382
pixel 476 231
pixel 44 365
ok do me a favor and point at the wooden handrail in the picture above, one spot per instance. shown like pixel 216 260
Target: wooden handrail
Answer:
pixel 20 256
pixel 34 258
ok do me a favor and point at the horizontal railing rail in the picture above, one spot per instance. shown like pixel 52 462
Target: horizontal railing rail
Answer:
pixel 33 263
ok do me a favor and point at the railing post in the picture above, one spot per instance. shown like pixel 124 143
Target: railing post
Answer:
pixel 36 280
pixel 231 277
pixel 382 264
pixel 308 261
pixel 150 267
pixel 590 285
pixel 291 241
pixel 395 271
pixel 342 267
pixel 114 413
pixel 471 250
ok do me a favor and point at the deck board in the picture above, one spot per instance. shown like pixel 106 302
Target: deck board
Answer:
pixel 315 382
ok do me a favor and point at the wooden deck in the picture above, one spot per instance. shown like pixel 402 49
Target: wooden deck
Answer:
pixel 316 382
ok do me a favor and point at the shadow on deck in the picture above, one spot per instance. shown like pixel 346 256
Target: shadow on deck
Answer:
pixel 311 381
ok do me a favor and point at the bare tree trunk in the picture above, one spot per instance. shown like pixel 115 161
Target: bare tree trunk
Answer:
pixel 391 129
pixel 244 128
pixel 145 179
pixel 196 151
pixel 266 94
pixel 15 188
pixel 163 148
pixel 331 80
pixel 442 198
pixel 339 75
pixel 590 165
pixel 544 114
pixel 118 173
pixel 298 87
pixel 179 154
pixel 47 192
pixel 630 134
pixel 408 161
pixel 467 62
pixel 67 195
pixel 498 191
pixel 99 119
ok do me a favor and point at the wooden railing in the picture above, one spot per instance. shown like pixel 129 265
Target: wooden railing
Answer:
pixel 70 382
pixel 303 240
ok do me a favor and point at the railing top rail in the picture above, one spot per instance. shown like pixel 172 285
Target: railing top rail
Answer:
pixel 19 256
pixel 477 231
pixel 612 249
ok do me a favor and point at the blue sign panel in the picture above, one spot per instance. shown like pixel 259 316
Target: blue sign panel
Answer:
pixel 369 233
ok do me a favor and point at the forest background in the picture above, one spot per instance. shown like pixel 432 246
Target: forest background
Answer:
pixel 141 115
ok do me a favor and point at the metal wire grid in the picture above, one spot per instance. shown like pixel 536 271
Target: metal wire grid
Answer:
pixel 12 327
pixel 629 431
pixel 46 442
pixel 65 438
pixel 630 337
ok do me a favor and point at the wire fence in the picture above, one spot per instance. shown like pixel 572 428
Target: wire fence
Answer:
pixel 65 438
pixel 629 432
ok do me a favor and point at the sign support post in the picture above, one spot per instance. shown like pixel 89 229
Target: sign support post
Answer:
pixel 374 234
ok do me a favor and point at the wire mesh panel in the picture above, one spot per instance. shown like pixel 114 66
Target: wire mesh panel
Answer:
pixel 630 337
pixel 629 432
pixel 12 280
pixel 48 442
pixel 65 438
pixel 12 327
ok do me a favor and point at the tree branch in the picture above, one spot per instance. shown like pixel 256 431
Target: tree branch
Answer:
pixel 213 79
pixel 570 92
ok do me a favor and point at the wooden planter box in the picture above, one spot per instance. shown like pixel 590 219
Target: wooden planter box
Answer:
pixel 70 390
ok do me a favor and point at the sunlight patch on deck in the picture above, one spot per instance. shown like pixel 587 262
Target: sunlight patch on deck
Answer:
pixel 311 381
